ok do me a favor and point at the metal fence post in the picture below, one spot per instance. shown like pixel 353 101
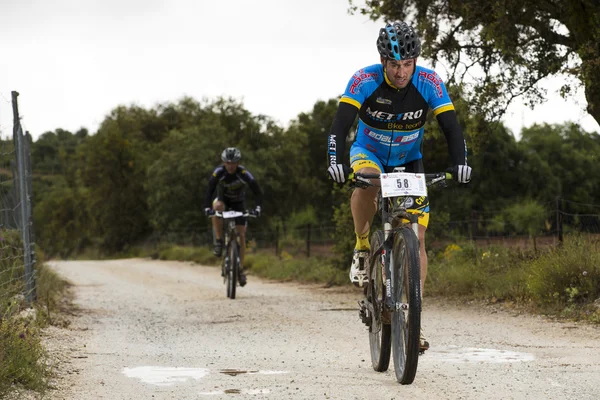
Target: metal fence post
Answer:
pixel 24 201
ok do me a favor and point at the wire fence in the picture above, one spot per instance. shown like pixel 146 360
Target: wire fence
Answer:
pixel 17 255
pixel 483 230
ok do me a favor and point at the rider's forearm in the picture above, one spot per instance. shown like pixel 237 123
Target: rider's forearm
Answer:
pixel 258 195
pixel 344 118
pixel 453 132
pixel 208 198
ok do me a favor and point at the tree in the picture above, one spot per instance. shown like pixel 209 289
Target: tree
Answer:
pixel 570 154
pixel 527 217
pixel 52 151
pixel 510 45
pixel 315 126
pixel 177 180
pixel 113 170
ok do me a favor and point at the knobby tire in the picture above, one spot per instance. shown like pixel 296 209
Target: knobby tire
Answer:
pixel 380 339
pixel 232 275
pixel 406 321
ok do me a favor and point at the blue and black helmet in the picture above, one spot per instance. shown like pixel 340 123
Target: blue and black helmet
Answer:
pixel 398 41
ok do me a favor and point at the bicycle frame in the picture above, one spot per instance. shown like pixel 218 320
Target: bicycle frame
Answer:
pixel 391 222
pixel 392 218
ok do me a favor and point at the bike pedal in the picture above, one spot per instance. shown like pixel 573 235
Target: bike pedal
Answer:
pixel 363 313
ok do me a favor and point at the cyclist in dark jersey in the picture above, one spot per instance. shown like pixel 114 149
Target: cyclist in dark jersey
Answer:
pixel 230 181
pixel 392 100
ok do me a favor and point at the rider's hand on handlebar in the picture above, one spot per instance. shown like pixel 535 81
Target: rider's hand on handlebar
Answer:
pixel 208 211
pixel 257 211
pixel 461 173
pixel 339 172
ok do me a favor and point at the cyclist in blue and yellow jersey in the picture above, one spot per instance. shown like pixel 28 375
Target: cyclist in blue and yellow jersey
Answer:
pixel 392 100
pixel 230 180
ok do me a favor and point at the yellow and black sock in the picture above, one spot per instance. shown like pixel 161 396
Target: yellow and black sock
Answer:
pixel 362 241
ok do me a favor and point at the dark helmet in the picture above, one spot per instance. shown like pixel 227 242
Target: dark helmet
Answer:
pixel 398 41
pixel 231 154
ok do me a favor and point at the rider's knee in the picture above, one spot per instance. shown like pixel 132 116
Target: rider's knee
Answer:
pixel 218 205
pixel 367 193
pixel 369 170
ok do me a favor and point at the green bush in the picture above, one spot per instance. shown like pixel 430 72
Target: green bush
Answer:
pixel 567 275
pixel 482 273
pixel 12 272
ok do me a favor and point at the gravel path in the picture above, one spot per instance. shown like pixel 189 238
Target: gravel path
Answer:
pixel 165 330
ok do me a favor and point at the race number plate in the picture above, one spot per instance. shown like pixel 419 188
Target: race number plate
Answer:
pixel 232 214
pixel 397 184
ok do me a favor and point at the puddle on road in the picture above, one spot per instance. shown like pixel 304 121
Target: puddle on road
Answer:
pixel 168 376
pixel 164 376
pixel 235 391
pixel 473 355
pixel 236 372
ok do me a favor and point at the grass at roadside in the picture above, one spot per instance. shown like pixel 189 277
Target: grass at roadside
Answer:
pixel 23 360
pixel 301 269
pixel 562 281
pixel 285 268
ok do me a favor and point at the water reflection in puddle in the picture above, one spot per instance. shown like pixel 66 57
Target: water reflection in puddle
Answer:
pixel 165 376
pixel 473 355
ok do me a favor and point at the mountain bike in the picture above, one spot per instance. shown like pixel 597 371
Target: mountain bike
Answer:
pixel 230 268
pixel 391 308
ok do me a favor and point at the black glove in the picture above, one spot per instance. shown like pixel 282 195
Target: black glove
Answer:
pixel 208 211
pixel 339 172
pixel 257 211
pixel 461 173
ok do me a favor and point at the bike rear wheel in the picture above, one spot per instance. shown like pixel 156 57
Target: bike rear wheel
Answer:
pixel 232 271
pixel 406 318
pixel 380 339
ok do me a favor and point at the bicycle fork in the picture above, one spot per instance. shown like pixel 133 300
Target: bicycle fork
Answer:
pixel 388 271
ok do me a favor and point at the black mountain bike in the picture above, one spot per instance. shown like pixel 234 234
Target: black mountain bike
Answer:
pixel 391 308
pixel 231 259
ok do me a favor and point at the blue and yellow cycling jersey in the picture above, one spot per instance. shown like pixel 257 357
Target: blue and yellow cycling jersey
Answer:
pixel 391 121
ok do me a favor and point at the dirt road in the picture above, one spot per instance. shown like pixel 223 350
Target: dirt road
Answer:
pixel 165 330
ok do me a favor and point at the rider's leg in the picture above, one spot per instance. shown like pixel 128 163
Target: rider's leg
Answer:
pixel 423 342
pixel 422 257
pixel 364 206
pixel 217 223
pixel 241 229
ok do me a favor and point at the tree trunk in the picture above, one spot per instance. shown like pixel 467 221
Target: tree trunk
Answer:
pixel 591 77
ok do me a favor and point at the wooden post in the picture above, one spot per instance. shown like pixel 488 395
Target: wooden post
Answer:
pixel 559 226
pixel 307 240
pixel 277 241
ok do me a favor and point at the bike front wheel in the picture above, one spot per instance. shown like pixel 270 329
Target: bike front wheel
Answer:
pixel 232 271
pixel 406 317
pixel 380 337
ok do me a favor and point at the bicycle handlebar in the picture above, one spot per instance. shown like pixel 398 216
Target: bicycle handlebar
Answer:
pixel 247 213
pixel 365 179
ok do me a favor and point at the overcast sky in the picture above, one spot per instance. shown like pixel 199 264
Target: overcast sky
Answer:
pixel 73 61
